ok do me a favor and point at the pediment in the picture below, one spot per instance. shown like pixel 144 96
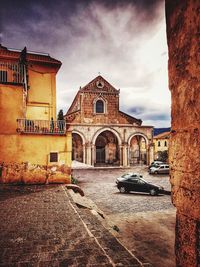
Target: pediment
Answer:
pixel 99 84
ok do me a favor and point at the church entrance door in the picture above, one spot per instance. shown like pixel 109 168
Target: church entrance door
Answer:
pixel 100 155
pixel 107 149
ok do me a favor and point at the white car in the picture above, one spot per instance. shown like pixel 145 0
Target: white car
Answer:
pixel 160 169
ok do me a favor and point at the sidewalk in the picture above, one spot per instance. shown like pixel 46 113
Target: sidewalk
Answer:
pixel 41 226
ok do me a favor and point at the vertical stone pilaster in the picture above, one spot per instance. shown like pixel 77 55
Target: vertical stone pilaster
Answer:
pixel 93 155
pixel 183 20
pixel 121 154
pixel 84 154
pixel 128 155
pixel 125 155
pixel 88 154
pixel 150 153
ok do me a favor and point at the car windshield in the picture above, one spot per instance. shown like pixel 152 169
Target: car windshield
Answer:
pixel 131 175
pixel 142 181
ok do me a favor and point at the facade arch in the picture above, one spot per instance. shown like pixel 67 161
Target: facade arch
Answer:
pixel 106 148
pixel 136 134
pixel 81 135
pixel 137 148
pixel 106 129
pixel 78 146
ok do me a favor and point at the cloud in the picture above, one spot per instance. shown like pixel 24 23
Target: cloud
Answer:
pixel 124 40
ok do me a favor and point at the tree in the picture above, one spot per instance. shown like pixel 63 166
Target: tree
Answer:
pixel 163 156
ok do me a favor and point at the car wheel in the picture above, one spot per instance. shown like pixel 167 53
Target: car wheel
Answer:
pixel 122 189
pixel 153 192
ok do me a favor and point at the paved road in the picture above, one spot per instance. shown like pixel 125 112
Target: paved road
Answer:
pixel 41 227
pixel 100 186
pixel 146 222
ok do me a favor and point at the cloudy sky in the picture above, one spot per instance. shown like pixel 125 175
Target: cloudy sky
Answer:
pixel 123 40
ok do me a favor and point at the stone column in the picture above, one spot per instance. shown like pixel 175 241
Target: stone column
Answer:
pixel 121 155
pixel 93 155
pixel 128 155
pixel 183 22
pixel 84 154
pixel 88 154
pixel 150 154
pixel 125 162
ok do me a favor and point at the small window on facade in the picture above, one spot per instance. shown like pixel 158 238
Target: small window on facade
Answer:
pixel 53 157
pixel 3 76
pixel 99 106
pixel 158 143
pixel 165 143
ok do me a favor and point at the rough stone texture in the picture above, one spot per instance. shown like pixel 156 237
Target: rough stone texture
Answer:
pixel 44 229
pixel 183 22
pixel 25 173
pixel 186 241
pixel 58 177
pixel 36 176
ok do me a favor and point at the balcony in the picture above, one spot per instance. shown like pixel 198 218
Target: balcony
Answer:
pixel 51 127
pixel 11 73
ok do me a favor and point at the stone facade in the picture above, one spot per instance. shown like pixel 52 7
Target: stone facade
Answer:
pixel 105 132
pixel 183 22
pixel 26 173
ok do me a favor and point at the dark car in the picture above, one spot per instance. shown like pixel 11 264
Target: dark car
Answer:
pixel 134 182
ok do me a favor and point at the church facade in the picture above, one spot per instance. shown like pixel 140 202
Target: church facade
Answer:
pixel 102 135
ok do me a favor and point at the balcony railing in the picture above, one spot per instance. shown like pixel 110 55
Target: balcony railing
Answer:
pixel 11 73
pixel 41 126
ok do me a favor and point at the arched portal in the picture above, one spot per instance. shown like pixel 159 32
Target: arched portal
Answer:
pixel 107 149
pixel 77 147
pixel 138 150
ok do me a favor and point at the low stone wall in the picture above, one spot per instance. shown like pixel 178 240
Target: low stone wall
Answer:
pixel 26 173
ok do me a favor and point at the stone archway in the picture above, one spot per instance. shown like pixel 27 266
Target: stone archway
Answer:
pixel 77 147
pixel 107 149
pixel 138 151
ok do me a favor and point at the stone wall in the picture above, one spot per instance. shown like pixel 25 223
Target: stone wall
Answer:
pixel 183 20
pixel 26 173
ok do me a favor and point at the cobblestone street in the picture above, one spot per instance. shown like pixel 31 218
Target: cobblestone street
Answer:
pixel 41 226
pixel 146 223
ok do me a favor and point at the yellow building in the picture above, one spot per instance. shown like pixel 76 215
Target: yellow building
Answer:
pixel 161 146
pixel 29 131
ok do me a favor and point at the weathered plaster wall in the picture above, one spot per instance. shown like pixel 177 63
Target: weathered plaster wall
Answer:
pixel 42 93
pixel 11 107
pixel 35 148
pixel 183 20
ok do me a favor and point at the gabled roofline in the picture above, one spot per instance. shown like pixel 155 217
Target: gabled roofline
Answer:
pixel 163 135
pixel 131 117
pixel 99 77
pixel 73 102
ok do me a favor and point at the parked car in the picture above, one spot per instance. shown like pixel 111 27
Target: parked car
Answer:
pixel 134 182
pixel 160 169
pixel 156 163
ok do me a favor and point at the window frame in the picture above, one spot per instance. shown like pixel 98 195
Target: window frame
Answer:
pixel 104 106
